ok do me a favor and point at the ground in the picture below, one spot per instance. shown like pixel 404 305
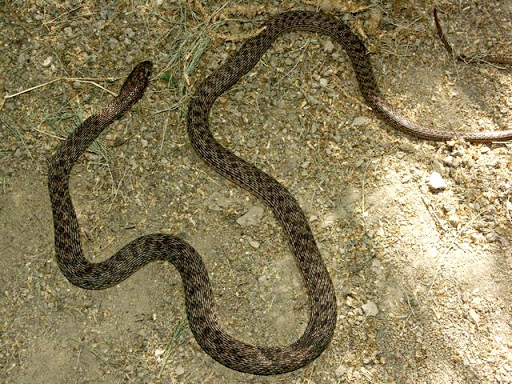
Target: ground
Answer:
pixel 422 275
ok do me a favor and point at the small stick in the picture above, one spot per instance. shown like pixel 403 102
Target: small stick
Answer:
pixel 461 57
pixel 80 80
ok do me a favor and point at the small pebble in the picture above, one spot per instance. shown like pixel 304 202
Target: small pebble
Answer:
pixel 254 244
pixel 474 316
pixel 361 120
pixel 328 46
pixel 370 308
pixel 436 182
pixel 47 61
pixel 179 370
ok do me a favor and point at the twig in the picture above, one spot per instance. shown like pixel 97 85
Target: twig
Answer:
pixel 214 19
pixel 461 57
pixel 445 254
pixel 80 80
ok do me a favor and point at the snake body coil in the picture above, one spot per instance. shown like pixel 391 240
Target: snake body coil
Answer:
pixel 198 292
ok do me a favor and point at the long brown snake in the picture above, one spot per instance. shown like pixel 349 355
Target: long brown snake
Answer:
pixel 198 292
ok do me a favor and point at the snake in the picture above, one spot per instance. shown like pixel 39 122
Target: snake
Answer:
pixel 199 301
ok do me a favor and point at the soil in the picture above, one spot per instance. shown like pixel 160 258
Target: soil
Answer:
pixel 415 234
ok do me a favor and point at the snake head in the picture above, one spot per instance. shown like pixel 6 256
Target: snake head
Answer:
pixel 136 83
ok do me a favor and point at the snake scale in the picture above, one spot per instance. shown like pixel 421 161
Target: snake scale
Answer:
pixel 199 300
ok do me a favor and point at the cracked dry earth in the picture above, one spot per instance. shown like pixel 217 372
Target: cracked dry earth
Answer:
pixel 422 272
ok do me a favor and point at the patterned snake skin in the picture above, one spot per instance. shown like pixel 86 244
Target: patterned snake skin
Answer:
pixel 198 292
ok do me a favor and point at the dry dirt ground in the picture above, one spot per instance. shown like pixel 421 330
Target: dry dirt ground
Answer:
pixel 422 276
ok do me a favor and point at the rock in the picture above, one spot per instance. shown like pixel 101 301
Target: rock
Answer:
pixel 362 120
pixel 255 244
pixel 436 182
pixel 328 46
pixel 179 370
pixel 370 308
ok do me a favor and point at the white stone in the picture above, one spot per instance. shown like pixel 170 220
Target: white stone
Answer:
pixel 370 308
pixel 436 182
